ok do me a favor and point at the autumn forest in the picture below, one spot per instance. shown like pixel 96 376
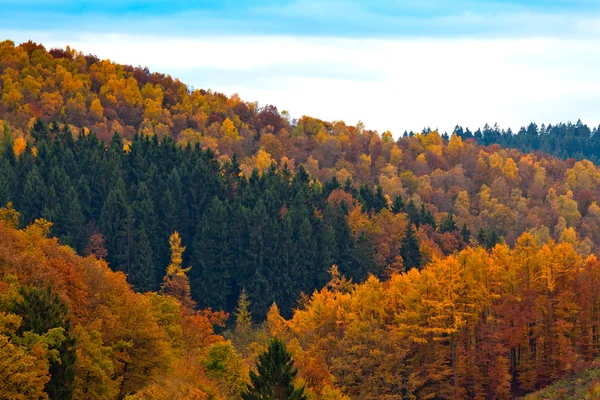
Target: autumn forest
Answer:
pixel 164 242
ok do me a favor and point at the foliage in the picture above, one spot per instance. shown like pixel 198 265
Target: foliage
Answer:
pixel 274 376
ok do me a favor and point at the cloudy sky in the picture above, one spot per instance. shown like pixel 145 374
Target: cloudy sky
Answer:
pixel 397 65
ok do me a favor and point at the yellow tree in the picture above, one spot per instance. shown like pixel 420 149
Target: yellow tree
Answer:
pixel 176 282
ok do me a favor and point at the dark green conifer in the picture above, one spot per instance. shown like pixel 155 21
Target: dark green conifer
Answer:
pixel 274 376
pixel 448 224
pixel 413 213
pixel 41 311
pixel 410 250
pixel 398 205
pixel 466 233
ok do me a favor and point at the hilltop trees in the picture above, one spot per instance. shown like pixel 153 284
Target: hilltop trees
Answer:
pixel 460 269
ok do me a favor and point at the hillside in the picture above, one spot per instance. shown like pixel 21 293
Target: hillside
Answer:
pixel 581 386
pixel 431 266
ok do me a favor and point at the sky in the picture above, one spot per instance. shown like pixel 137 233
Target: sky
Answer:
pixel 395 65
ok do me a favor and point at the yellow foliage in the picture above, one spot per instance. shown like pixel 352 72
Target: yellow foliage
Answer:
pixel 19 146
pixel 229 130
pixel 387 137
pixel 396 156
pixel 455 143
pixel 96 109
pixel 431 139
pixel 9 215
pixel 262 160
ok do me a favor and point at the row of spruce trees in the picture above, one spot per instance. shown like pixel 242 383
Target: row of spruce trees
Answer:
pixel 273 234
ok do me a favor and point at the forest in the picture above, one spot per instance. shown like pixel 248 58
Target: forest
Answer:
pixel 160 242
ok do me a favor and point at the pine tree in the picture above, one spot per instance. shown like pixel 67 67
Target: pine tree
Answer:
pixel 210 277
pixel 141 275
pixel 71 221
pixel 39 131
pixel 33 197
pixel 426 217
pixel 413 213
pixel 41 311
pixel 449 224
pixel 274 376
pixel 116 222
pixel 410 251
pixel 466 233
pixel 398 205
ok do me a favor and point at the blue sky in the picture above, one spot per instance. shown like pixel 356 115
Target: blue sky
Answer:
pixel 339 18
pixel 392 64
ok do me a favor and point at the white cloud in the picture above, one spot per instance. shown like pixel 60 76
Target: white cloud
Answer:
pixel 394 84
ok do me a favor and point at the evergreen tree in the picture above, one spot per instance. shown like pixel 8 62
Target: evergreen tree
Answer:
pixel 70 224
pixel 364 257
pixel 303 252
pixel 413 213
pixel 466 233
pixel 274 376
pixel 410 250
pixel 116 223
pixel 448 224
pixel 41 311
pixel 379 200
pixel 141 275
pixel 7 182
pixel 210 277
pixel 33 196
pixel 39 131
pixel 398 205
pixel 426 217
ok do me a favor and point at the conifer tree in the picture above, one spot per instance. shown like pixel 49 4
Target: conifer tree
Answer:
pixel 142 276
pixel 176 283
pixel 274 376
pixel 116 223
pixel 466 233
pixel 211 259
pixel 243 315
pixel 34 196
pixel 398 205
pixel 426 217
pixel 410 251
pixel 71 221
pixel 413 213
pixel 39 131
pixel 41 311
pixel 449 224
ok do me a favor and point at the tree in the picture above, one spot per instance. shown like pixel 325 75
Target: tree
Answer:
pixel 449 224
pixel 116 223
pixel 243 316
pixel 43 311
pixel 211 258
pixel 176 282
pixel 410 250
pixel 274 376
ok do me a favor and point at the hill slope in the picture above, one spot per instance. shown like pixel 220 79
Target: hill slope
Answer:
pixel 582 386
pixel 471 266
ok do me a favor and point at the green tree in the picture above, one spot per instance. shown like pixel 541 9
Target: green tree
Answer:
pixel 210 277
pixel 274 376
pixel 448 224
pixel 410 251
pixel 42 311
pixel 116 224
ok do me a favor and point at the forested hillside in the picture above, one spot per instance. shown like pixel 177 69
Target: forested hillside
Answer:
pixel 428 266
pixel 562 140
